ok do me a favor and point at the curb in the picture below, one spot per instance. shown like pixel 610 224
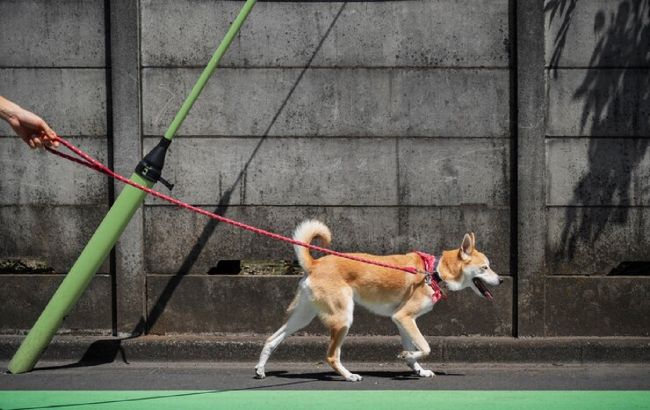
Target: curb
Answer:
pixel 381 349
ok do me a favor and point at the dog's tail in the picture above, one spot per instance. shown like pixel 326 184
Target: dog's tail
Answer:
pixel 306 232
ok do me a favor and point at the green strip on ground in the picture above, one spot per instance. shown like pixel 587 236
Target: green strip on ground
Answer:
pixel 335 400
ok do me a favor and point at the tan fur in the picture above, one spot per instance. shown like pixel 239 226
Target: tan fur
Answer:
pixel 335 284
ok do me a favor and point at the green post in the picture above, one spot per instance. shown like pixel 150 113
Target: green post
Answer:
pixel 109 230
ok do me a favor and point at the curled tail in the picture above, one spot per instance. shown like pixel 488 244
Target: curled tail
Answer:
pixel 306 232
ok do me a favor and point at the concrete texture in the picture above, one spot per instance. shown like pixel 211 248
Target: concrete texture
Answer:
pixel 602 172
pixel 257 304
pixel 594 240
pixel 30 293
pixel 69 34
pixel 308 171
pixel 53 234
pixel 609 306
pixel 529 225
pixel 332 102
pixel 444 172
pixel 368 34
pixel 598 103
pixel 124 27
pixel 284 171
pixel 39 178
pixel 595 33
pixel 179 241
pixel 74 104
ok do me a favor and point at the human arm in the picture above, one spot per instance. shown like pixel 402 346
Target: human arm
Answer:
pixel 27 125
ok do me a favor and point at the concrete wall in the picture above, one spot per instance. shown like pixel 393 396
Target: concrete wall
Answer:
pixel 353 113
pixel 49 208
pixel 400 124
pixel 597 129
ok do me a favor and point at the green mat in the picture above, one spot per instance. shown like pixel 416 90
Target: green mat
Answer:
pixel 334 400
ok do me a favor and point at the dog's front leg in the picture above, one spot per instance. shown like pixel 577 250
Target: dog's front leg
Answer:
pixel 412 339
pixel 408 346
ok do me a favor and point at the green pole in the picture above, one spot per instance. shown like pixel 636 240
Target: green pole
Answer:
pixel 109 231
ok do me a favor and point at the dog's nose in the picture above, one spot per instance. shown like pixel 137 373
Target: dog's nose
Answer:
pixel 500 281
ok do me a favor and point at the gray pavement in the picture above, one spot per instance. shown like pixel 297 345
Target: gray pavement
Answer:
pixel 318 376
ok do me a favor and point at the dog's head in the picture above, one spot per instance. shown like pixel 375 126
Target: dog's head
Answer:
pixel 467 267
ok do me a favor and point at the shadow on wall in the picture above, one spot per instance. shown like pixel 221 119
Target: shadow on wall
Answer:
pixel 615 98
pixel 146 325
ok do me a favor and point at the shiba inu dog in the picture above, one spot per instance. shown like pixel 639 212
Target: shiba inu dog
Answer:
pixel 333 285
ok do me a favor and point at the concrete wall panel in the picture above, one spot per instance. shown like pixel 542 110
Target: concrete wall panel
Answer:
pixel 29 294
pixel 179 241
pixel 598 171
pixel 594 240
pixel 222 304
pixel 598 102
pixel 72 101
pixel 40 178
pixel 58 33
pixel 332 102
pixel 454 171
pixel 610 33
pixel 609 306
pixel 368 34
pixel 53 234
pixel 283 171
pixel 338 171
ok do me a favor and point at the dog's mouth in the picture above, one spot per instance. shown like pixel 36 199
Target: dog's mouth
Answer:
pixel 480 285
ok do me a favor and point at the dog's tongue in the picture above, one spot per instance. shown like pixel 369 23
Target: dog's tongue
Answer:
pixel 482 288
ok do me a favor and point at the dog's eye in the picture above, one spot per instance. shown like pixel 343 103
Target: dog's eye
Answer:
pixel 484 267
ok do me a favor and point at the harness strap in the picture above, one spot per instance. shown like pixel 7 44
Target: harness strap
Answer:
pixel 431 275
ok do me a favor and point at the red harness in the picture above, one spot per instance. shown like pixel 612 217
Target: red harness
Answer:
pixel 431 276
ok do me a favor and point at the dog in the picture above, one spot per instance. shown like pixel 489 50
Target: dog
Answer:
pixel 333 285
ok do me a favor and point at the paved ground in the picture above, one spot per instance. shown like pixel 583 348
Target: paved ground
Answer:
pixel 316 376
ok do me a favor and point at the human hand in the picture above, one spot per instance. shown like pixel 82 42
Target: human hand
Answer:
pixel 27 125
pixel 32 129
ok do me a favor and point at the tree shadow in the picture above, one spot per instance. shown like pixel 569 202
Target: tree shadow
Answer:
pixel 615 99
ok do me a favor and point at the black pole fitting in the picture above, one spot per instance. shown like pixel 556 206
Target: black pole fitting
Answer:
pixel 152 164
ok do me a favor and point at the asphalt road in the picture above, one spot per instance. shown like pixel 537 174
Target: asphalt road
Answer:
pixel 317 376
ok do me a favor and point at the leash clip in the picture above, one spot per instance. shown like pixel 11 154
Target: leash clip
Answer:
pixel 428 278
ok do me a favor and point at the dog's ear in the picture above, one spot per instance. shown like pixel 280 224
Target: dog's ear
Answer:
pixel 467 247
pixel 473 237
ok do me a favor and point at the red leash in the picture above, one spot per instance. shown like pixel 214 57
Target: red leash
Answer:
pixel 88 161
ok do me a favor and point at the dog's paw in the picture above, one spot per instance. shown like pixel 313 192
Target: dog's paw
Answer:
pixel 425 373
pixel 354 378
pixel 259 373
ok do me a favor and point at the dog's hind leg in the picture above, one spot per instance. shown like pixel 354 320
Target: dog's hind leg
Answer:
pixel 301 312
pixel 337 316
pixel 408 346
pixel 337 336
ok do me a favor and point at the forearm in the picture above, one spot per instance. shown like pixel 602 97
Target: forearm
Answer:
pixel 8 109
